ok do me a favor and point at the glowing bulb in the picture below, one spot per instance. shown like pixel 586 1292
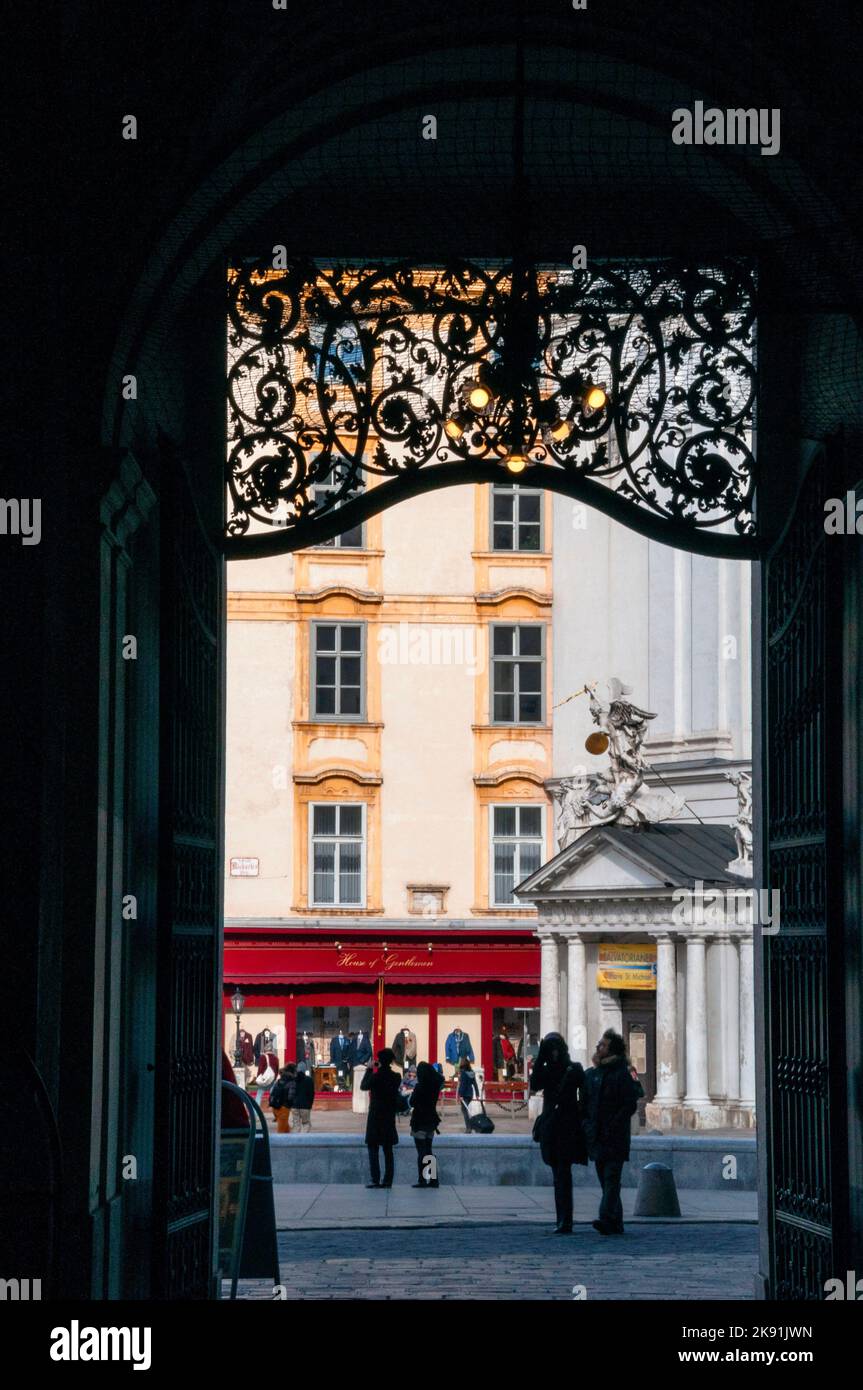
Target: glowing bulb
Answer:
pixel 562 430
pixel 453 429
pixel 516 463
pixel 479 397
pixel 595 398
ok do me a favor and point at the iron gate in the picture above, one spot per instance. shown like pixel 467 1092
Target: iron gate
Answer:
pixel 802 859
pixel 191 797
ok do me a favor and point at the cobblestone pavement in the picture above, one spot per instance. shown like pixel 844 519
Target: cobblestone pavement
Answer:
pixel 517 1262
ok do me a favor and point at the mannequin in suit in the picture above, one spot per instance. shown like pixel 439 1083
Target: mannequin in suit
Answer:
pixel 361 1053
pixel 341 1049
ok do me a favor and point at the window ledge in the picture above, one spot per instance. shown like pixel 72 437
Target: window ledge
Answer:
pixel 523 556
pixel 302 910
pixel 511 728
pixel 345 723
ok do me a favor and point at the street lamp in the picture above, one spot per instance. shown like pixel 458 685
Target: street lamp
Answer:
pixel 238 1003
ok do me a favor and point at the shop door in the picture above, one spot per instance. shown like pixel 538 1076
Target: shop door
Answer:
pixel 639 1032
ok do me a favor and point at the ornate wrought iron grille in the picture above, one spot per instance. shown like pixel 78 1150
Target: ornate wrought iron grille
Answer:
pixel 638 377
pixel 802 1203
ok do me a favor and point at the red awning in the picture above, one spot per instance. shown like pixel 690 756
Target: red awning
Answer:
pixel 283 964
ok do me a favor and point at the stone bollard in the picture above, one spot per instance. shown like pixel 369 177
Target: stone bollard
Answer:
pixel 657 1194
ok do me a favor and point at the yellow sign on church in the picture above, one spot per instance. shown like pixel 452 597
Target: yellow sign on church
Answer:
pixel 624 965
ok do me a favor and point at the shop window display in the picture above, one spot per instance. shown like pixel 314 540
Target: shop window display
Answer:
pixel 516 1032
pixel 331 1041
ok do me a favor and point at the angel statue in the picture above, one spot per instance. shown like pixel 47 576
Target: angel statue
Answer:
pixel 742 782
pixel 617 795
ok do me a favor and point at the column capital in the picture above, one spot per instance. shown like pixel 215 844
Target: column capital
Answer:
pixel 664 934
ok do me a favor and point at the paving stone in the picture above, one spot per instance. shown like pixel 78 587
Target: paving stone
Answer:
pixel 516 1263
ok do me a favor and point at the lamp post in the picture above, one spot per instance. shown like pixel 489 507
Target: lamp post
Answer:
pixel 238 1003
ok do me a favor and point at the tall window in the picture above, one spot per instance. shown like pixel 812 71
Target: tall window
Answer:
pixel 516 517
pixel 516 849
pixel 338 855
pixel 518 665
pixel 338 671
pixel 352 539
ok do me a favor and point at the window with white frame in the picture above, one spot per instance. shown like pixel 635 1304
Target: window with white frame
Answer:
pixel 516 517
pixel 338 855
pixel 518 673
pixel 323 493
pixel 338 671
pixel 516 850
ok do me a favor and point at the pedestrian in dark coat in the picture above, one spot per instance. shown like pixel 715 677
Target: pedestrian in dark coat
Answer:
pixel 611 1098
pixel 383 1084
pixel 558 1128
pixel 467 1090
pixel 425 1121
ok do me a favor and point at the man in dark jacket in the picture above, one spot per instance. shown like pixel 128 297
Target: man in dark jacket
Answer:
pixel 381 1133
pixel 304 1099
pixel 611 1098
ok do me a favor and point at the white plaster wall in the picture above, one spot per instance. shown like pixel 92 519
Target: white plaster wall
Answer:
pixel 428 542
pixel 600 620
pixel 427 797
pixel 258 799
pixel 271 574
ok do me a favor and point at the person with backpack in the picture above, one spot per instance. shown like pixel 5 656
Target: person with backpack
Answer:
pixel 558 1129
pixel 467 1090
pixel 304 1099
pixel 283 1097
pixel 611 1098
pixel 425 1121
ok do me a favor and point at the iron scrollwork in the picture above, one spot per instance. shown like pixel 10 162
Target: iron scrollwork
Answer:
pixel 340 373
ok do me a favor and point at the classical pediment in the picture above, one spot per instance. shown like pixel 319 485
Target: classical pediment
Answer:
pixel 608 859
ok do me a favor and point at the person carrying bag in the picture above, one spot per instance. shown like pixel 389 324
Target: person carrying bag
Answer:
pixel 558 1129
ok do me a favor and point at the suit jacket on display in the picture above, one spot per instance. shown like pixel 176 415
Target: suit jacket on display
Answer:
pixel 361 1053
pixel 456 1048
pixel 247 1050
pixel 404 1048
pixel 305 1051
pixel 340 1052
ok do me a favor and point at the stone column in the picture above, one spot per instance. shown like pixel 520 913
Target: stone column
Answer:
pixel 549 987
pixel 697 1096
pixel 747 1025
pixel 730 1020
pixel 576 1012
pixel 667 1077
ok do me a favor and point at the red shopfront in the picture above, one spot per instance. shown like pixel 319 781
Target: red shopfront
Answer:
pixel 318 982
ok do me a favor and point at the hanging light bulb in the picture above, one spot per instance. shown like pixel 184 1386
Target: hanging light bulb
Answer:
pixel 595 398
pixel 479 396
pixel 515 463
pixel 453 429
pixel 561 430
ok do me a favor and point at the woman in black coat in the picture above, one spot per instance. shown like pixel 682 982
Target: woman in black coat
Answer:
pixel 558 1128
pixel 425 1120
pixel 383 1084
